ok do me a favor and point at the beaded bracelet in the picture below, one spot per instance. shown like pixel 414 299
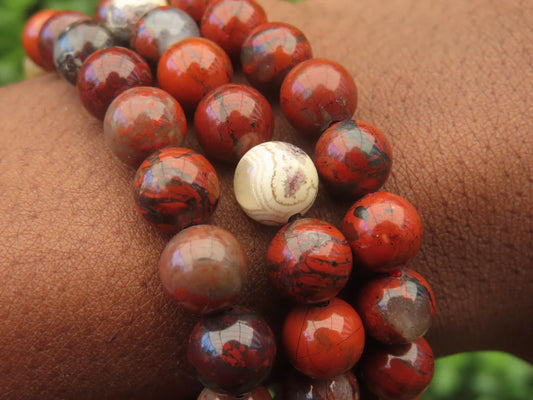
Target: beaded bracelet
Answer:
pixel 176 190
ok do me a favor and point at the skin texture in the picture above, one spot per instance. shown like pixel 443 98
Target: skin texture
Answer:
pixel 82 312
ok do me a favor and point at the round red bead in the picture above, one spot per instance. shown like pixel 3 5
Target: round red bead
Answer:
pixel 30 35
pixel 384 231
pixel 396 310
pixel 175 188
pixel 142 120
pixel 309 260
pixel 342 387
pixel 259 393
pixel 229 22
pixel 317 93
pixel 270 52
pixel 353 158
pixel 231 120
pixel 232 352
pixel 202 268
pixel 323 341
pixel 50 33
pixel 191 68
pixel 100 13
pixel 195 8
pixel 399 372
pixel 107 73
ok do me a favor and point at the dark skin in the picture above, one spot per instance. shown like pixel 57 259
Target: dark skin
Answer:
pixel 82 312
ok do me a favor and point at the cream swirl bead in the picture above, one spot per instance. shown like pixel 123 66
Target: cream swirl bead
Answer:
pixel 274 181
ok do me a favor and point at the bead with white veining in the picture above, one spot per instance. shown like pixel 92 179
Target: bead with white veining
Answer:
pixel 274 181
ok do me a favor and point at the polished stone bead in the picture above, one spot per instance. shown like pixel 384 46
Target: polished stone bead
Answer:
pixel 259 393
pixel 77 42
pixel 195 8
pixel 275 181
pixel 341 387
pixel 30 35
pixel 203 268
pixel 100 13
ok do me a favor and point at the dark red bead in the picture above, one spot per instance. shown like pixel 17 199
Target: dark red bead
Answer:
pixel 317 93
pixel 101 10
pixel 50 33
pixel 353 158
pixel 396 310
pixel 195 8
pixel 30 35
pixel 342 387
pixel 270 52
pixel 231 120
pixel 399 372
pixel 229 22
pixel 323 341
pixel 384 231
pixel 233 351
pixel 259 393
pixel 203 268
pixel 106 74
pixel 309 260
pixel 175 188
pixel 77 42
pixel 159 29
pixel 142 120
pixel 191 68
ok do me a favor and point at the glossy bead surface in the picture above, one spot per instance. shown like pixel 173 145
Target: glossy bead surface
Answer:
pixel 229 22
pixel 30 35
pixel 100 13
pixel 270 52
pixel 50 32
pixel 232 119
pixel 195 8
pixel 309 260
pixel 160 28
pixel 396 308
pixel 342 387
pixel 259 393
pixel 142 120
pixel 233 351
pixel 77 42
pixel 317 93
pixel 353 158
pixel 384 231
pixel 175 188
pixel 122 15
pixel 191 68
pixel 106 74
pixel 202 268
pixel 399 372
pixel 323 341
pixel 274 181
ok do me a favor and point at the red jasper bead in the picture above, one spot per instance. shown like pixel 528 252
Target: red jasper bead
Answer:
pixel 50 33
pixel 270 52
pixel 202 268
pixel 142 120
pixel 309 260
pixel 317 93
pixel 323 341
pixel 233 351
pixel 159 29
pixel 175 188
pixel 342 387
pixel 107 73
pixel 384 231
pixel 30 35
pixel 195 8
pixel 101 10
pixel 229 22
pixel 396 308
pixel 353 158
pixel 259 393
pixel 191 68
pixel 231 120
pixel 399 372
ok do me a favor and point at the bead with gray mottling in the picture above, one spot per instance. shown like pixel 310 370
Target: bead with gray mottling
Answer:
pixel 160 28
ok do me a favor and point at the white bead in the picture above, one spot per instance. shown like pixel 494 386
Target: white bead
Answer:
pixel 274 181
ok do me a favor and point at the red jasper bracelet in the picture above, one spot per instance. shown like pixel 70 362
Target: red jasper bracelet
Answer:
pixel 176 190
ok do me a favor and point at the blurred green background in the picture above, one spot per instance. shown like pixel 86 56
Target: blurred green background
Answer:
pixel 471 376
